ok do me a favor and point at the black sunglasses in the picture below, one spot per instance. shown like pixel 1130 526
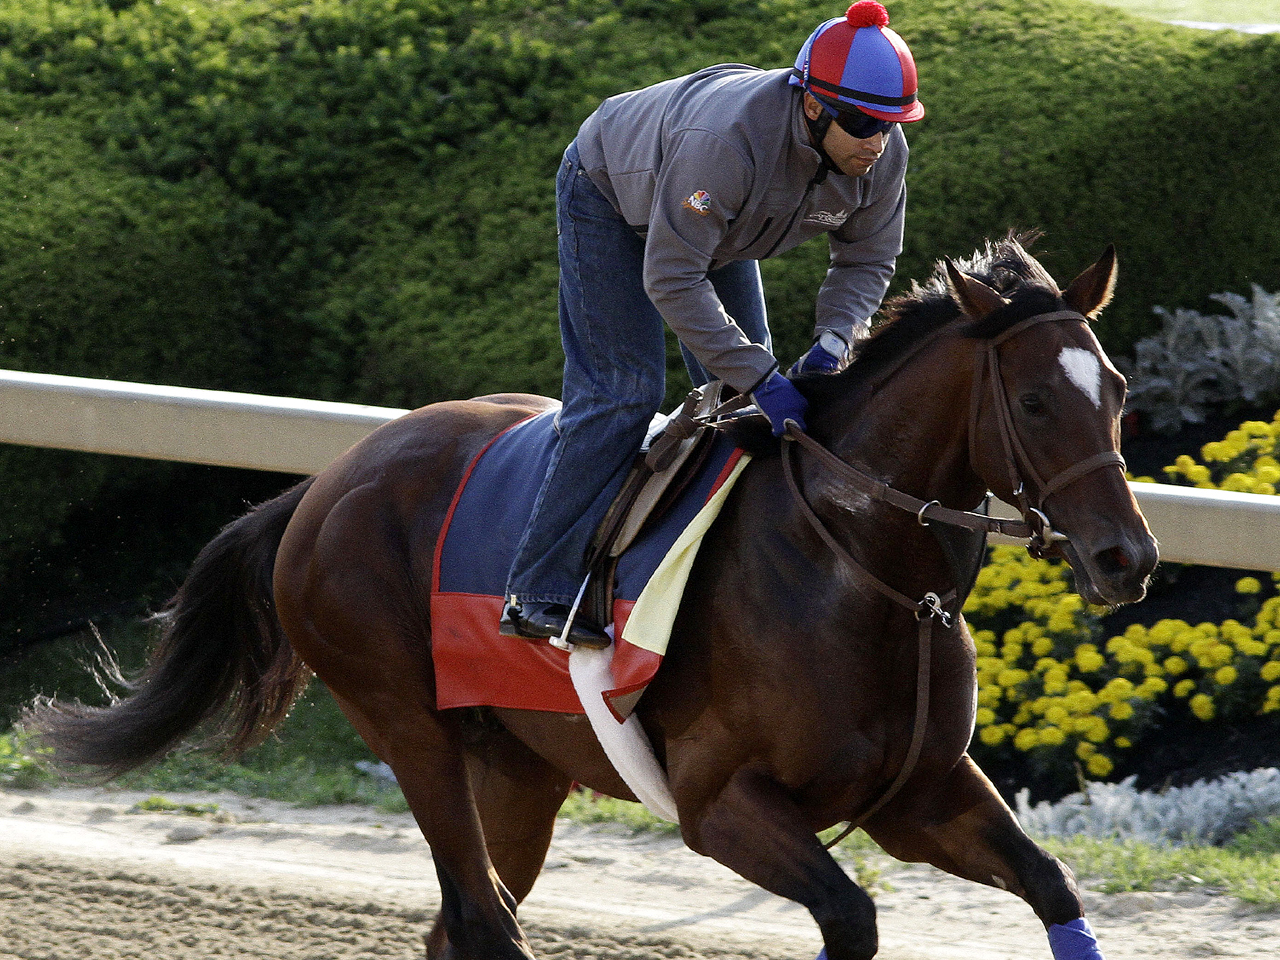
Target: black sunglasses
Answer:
pixel 859 125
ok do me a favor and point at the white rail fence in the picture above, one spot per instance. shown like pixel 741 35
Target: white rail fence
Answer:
pixel 1208 527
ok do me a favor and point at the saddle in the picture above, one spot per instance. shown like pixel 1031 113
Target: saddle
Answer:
pixel 676 448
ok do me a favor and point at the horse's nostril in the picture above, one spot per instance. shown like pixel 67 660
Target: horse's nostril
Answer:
pixel 1114 561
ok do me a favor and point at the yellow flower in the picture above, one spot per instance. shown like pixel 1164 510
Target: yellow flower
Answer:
pixel 1088 659
pixel 1082 702
pixel 1248 585
pixel 1272 703
pixel 1183 688
pixel 1202 706
pixel 1124 743
pixel 1175 665
pixel 1121 711
pixel 1098 765
pixel 985 716
pixel 1225 676
pixel 1095 729
pixel 991 736
pixel 1027 739
pixel 1057 714
pixel 1055 680
pixel 1116 690
pixel 1052 736
pixel 1011 678
pixel 1151 688
pixel 1271 671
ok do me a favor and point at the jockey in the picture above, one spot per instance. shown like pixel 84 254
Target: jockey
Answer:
pixel 665 202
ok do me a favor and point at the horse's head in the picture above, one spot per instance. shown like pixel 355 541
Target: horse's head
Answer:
pixel 1045 416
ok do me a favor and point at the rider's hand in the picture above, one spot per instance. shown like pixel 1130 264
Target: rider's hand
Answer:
pixel 780 401
pixel 825 356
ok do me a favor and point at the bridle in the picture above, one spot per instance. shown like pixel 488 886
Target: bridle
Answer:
pixel 1035 526
pixel 1019 463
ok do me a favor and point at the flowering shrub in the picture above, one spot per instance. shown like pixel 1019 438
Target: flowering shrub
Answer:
pixel 1244 461
pixel 1055 693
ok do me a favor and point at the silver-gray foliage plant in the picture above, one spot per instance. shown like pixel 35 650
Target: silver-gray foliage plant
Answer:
pixel 1200 360
pixel 1205 813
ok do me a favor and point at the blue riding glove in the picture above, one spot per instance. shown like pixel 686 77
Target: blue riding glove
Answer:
pixel 825 356
pixel 780 401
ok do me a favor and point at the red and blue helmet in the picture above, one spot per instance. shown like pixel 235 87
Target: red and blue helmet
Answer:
pixel 856 61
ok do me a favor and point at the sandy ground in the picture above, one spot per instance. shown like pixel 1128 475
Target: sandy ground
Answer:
pixel 83 874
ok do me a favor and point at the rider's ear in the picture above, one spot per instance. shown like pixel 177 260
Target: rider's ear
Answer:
pixel 1092 290
pixel 975 298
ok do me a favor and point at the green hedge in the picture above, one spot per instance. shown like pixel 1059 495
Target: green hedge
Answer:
pixel 352 199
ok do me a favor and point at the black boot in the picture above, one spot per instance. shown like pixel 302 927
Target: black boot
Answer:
pixel 542 621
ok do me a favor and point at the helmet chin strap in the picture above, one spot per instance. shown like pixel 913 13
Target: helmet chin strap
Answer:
pixel 818 133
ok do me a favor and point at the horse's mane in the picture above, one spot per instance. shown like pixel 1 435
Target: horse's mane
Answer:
pixel 910 319
pixel 1004 265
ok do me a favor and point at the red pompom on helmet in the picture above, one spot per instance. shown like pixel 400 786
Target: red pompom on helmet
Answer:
pixel 857 62
pixel 867 13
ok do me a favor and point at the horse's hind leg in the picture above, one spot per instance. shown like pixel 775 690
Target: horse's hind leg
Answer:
pixel 961 825
pixel 424 749
pixel 517 796
pixel 363 638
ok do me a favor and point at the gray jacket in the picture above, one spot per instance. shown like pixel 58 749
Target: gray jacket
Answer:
pixel 716 166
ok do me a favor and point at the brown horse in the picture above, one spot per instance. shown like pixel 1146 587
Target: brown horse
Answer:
pixel 788 700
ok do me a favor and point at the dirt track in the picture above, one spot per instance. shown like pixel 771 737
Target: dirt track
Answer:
pixel 81 876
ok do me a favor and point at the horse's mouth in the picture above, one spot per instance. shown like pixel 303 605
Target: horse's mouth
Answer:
pixel 1112 576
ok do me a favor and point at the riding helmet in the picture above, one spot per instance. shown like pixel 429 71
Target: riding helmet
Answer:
pixel 856 61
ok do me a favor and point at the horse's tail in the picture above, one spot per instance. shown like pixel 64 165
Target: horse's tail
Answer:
pixel 222 663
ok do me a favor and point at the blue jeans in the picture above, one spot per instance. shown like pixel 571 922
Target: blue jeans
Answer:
pixel 614 380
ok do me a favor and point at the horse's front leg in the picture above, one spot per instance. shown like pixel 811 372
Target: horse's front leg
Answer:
pixel 961 825
pixel 753 828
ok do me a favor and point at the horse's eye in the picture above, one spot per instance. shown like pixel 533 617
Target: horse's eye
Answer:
pixel 1032 404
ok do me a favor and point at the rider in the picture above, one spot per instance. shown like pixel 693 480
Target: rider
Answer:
pixel 665 202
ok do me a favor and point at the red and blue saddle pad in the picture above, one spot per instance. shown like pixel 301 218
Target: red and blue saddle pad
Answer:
pixel 477 666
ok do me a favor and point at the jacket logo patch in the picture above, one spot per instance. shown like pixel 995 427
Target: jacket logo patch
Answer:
pixel 699 202
pixel 828 219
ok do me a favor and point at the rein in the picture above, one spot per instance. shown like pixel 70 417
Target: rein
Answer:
pixel 1035 526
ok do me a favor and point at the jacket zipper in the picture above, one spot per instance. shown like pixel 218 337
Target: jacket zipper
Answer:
pixel 792 222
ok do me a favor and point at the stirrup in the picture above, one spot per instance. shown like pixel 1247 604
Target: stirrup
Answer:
pixel 563 642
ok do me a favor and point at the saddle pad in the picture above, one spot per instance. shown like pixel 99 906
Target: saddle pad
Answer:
pixel 477 666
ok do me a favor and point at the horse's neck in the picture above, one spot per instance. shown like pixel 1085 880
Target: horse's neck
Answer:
pixel 912 432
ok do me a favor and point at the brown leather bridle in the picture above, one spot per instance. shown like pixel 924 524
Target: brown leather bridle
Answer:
pixel 1020 466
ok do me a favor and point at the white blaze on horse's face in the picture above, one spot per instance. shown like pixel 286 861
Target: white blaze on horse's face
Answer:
pixel 1084 370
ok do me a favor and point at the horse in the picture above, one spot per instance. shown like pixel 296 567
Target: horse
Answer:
pixel 793 696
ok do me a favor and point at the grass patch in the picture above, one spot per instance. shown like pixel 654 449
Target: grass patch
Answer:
pixel 1205 11
pixel 1245 871
pixel 299 781
pixel 584 806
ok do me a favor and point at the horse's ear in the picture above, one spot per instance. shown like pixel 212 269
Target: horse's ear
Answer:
pixel 975 298
pixel 1092 290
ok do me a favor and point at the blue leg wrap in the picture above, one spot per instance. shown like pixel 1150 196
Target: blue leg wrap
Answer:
pixel 1074 941
pixel 822 954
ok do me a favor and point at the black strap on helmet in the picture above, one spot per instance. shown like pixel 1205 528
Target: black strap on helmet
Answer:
pixel 817 133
